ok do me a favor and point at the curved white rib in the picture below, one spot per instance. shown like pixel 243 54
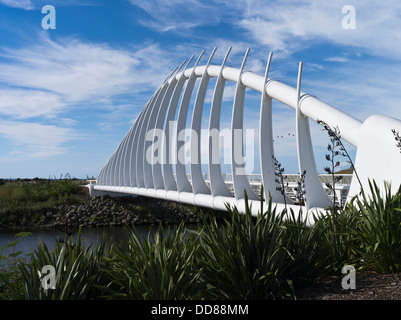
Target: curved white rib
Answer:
pixel 128 169
pixel 241 183
pixel 310 106
pixel 198 183
pixel 158 180
pixel 266 148
pixel 315 195
pixel 183 184
pixel 217 184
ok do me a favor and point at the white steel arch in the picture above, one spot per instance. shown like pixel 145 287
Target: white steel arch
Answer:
pixel 141 165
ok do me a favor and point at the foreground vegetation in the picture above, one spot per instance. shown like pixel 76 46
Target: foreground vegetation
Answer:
pixel 267 257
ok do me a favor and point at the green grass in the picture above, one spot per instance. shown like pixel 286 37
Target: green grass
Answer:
pixel 29 200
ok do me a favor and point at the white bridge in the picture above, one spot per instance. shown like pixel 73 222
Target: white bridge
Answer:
pixel 142 164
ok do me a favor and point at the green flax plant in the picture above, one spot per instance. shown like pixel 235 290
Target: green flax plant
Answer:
pixel 78 273
pixel 10 278
pixel 245 257
pixel 336 217
pixel 337 246
pixel 159 267
pixel 378 230
pixel 306 248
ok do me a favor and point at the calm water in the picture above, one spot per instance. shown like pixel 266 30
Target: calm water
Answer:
pixel 91 236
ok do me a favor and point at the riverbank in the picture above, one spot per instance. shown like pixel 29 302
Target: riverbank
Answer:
pixel 107 211
pixel 84 211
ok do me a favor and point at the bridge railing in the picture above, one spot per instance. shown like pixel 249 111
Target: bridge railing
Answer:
pixel 342 184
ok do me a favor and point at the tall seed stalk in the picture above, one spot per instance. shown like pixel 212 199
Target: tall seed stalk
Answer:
pixel 397 138
pixel 336 142
pixel 300 189
pixel 280 180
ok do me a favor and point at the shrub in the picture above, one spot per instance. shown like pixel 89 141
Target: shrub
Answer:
pixel 337 243
pixel 306 247
pixel 77 271
pixel 10 278
pixel 378 229
pixel 160 267
pixel 245 258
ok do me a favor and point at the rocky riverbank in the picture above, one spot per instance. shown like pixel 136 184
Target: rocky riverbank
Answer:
pixel 106 211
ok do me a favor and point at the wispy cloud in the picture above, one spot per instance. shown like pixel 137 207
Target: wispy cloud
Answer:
pixel 77 70
pixel 180 15
pixel 73 71
pixel 38 87
pixel 34 140
pixel 35 4
pixel 360 88
pixel 337 59
pixel 23 4
pixel 26 103
pixel 290 25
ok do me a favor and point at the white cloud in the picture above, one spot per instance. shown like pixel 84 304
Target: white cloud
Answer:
pixel 25 103
pixel 23 4
pixel 50 79
pixel 337 59
pixel 290 25
pixel 35 4
pixel 180 15
pixel 47 77
pixel 34 140
pixel 76 70
pixel 360 88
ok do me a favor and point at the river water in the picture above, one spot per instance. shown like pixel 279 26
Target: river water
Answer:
pixel 91 236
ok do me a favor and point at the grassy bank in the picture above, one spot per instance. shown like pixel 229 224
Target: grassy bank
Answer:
pixel 41 203
pixel 268 257
pixel 26 200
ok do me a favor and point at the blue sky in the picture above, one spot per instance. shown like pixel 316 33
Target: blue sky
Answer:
pixel 69 95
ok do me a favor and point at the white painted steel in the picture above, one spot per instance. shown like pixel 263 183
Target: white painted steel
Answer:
pixel 241 183
pixel 315 195
pixel 129 170
pixel 198 183
pixel 266 148
pixel 169 181
pixel 377 156
pixel 158 180
pixel 183 184
pixel 217 185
